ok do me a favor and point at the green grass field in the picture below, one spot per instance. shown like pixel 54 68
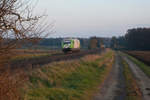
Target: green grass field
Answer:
pixel 68 80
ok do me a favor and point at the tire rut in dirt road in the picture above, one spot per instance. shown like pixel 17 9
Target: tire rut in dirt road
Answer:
pixel 142 80
pixel 113 87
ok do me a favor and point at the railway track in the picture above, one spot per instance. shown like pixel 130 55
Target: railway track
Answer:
pixel 48 59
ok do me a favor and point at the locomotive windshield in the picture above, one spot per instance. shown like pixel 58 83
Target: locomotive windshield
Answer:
pixel 67 42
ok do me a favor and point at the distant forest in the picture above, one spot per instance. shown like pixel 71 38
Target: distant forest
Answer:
pixel 134 39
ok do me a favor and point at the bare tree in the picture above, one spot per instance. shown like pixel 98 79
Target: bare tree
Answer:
pixel 17 25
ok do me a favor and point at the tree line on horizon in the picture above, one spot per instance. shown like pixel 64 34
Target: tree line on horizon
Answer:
pixel 134 39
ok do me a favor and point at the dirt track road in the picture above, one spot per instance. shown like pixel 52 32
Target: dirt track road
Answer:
pixel 114 87
pixel 142 80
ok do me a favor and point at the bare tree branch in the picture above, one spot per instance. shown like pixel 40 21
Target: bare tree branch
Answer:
pixel 18 24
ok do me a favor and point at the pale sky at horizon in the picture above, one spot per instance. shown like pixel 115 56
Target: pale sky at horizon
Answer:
pixel 84 18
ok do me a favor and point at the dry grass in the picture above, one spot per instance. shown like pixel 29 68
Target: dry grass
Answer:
pixel 69 80
pixel 91 57
pixel 9 84
pixel 19 54
pixel 32 51
pixel 55 73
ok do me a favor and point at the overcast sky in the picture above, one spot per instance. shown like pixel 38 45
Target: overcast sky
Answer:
pixel 84 18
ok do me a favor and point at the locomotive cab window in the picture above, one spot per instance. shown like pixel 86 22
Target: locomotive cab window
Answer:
pixel 67 42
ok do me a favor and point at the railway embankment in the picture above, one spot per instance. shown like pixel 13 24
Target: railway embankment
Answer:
pixel 13 77
pixel 43 59
pixel 69 80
